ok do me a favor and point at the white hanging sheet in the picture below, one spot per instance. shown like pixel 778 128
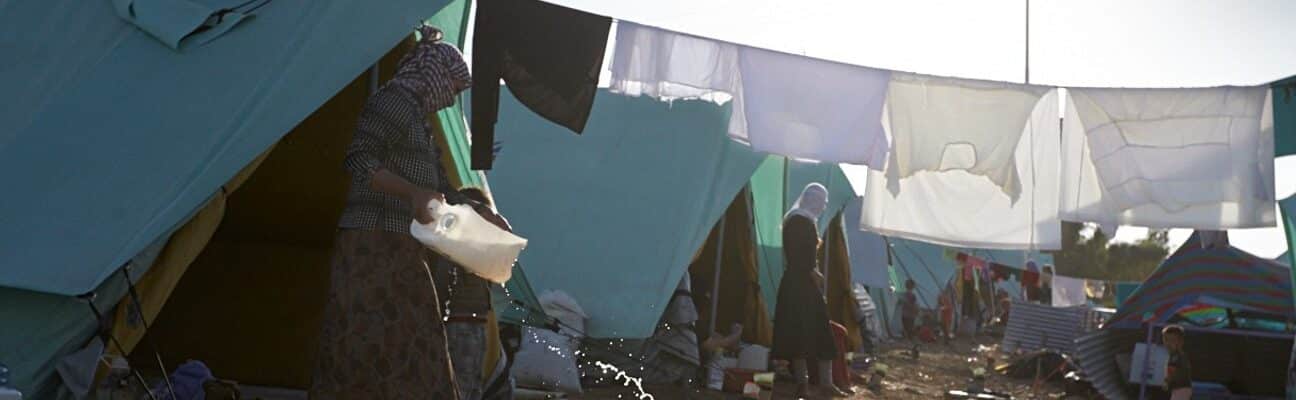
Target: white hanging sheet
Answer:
pixel 783 104
pixel 810 109
pixel 1068 292
pixel 957 208
pixel 942 124
pixel 670 65
pixel 1169 158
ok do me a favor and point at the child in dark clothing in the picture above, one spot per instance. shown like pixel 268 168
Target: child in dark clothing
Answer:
pixel 909 308
pixel 1178 369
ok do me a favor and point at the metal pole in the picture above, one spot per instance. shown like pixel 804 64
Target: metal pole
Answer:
pixel 1027 41
pixel 1147 358
pixel 715 283
pixel 373 79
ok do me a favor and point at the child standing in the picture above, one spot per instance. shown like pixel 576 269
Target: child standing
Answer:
pixel 1178 369
pixel 909 308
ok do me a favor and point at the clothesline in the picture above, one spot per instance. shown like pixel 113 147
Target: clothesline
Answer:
pixel 952 161
pixel 617 21
pixel 979 163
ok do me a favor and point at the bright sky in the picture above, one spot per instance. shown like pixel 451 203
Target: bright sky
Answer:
pixel 1109 43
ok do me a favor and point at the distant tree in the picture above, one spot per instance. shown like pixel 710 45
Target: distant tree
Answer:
pixel 1094 257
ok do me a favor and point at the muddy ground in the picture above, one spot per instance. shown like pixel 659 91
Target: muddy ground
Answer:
pixel 939 368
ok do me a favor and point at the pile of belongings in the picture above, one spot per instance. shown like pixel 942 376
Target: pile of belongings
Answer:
pixel 1043 365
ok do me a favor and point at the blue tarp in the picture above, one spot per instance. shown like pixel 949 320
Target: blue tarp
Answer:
pixel 868 251
pixel 109 139
pixel 615 215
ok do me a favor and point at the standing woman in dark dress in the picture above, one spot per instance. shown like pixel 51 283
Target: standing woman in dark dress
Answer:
pixel 383 335
pixel 801 325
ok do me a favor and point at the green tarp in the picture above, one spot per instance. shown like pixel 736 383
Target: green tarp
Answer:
pixel 775 187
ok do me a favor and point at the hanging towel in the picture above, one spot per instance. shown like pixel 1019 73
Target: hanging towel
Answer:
pixel 1068 291
pixel 960 209
pixel 784 104
pixel 670 65
pixel 549 56
pixel 942 124
pixel 1169 158
pixel 810 109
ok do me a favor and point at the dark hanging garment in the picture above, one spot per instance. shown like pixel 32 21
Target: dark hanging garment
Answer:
pixel 548 55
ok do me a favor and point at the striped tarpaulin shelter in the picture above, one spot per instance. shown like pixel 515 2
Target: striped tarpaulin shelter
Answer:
pixel 1218 275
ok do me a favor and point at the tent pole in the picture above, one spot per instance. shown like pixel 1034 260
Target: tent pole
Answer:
pixel 1027 41
pixel 373 79
pixel 715 282
pixel 827 261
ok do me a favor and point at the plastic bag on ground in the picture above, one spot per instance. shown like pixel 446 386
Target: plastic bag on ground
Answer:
pixel 546 361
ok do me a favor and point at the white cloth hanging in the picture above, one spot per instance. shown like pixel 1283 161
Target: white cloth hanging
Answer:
pixel 1169 158
pixel 1068 291
pixel 783 104
pixel 810 109
pixel 942 124
pixel 669 65
pixel 957 208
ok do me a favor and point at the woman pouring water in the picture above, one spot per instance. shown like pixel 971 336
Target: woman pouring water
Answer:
pixel 383 335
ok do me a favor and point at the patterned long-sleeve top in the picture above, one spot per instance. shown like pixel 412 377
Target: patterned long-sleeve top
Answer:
pixel 393 134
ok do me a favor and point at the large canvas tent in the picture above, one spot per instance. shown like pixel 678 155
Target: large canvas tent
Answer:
pixel 616 215
pixel 163 167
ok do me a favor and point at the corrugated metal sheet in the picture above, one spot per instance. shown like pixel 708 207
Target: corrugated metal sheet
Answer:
pixel 1095 353
pixel 1034 327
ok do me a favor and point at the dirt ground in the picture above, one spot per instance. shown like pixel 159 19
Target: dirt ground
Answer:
pixel 938 369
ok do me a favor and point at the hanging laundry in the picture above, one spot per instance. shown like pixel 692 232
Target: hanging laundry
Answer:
pixel 1284 108
pixel 670 65
pixel 1169 158
pixel 1068 291
pixel 960 209
pixel 943 124
pixel 548 55
pixel 784 104
pixel 812 109
pixel 1001 272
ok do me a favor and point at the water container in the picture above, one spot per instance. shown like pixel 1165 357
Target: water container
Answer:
pixel 754 357
pixel 470 241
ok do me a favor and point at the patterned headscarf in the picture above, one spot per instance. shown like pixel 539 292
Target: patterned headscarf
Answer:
pixel 434 70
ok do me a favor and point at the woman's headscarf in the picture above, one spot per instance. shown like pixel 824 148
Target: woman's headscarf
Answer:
pixel 811 204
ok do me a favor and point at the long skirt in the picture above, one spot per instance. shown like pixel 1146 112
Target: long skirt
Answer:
pixel 383 335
